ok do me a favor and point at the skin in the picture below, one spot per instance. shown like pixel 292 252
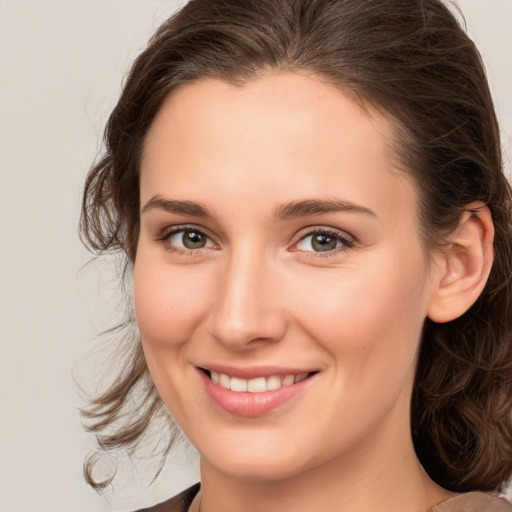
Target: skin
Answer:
pixel 259 294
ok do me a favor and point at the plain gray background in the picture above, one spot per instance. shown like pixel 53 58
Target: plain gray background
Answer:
pixel 61 67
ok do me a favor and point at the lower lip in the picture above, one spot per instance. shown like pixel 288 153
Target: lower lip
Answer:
pixel 252 404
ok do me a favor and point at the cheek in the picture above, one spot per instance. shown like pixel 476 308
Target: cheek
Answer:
pixel 169 303
pixel 169 307
pixel 375 311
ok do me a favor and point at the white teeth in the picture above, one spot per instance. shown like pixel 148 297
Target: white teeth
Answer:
pixel 256 385
pixel 273 382
pixel 224 380
pixel 288 380
pixel 238 384
pixel 301 377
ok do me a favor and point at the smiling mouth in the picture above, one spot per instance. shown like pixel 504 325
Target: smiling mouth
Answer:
pixel 258 384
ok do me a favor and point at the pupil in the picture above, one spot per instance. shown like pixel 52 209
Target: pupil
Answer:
pixel 323 243
pixel 193 240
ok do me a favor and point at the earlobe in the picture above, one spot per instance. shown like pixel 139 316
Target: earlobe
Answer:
pixel 463 267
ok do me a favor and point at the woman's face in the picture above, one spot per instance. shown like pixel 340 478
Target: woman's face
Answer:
pixel 280 256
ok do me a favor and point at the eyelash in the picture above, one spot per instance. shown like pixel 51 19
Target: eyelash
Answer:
pixel 345 241
pixel 169 233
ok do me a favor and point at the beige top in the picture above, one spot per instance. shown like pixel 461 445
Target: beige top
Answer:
pixel 189 501
pixel 473 502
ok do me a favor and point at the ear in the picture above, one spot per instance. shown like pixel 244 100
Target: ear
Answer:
pixel 463 267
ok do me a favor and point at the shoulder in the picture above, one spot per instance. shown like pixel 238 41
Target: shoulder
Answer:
pixel 473 502
pixel 178 503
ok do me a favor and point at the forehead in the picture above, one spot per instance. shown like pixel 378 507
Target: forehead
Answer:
pixel 273 106
pixel 282 137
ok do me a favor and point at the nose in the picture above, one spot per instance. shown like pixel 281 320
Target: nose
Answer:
pixel 246 308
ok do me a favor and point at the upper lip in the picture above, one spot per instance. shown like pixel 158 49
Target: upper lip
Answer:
pixel 253 372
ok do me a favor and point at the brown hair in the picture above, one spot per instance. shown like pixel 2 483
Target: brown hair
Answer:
pixel 411 60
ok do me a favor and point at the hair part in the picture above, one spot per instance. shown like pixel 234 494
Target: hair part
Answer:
pixel 412 61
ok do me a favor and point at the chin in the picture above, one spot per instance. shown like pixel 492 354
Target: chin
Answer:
pixel 272 462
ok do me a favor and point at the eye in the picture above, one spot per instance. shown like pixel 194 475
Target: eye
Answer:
pixel 323 240
pixel 186 239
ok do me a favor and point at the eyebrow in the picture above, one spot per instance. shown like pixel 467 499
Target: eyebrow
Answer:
pixel 291 210
pixel 176 206
pixel 310 207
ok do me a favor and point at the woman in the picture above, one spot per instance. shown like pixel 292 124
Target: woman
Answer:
pixel 311 198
